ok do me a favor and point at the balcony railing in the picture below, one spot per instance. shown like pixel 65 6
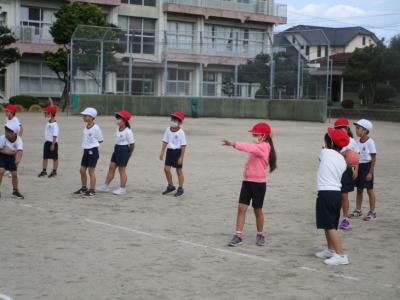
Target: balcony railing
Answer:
pixel 268 8
pixel 33 34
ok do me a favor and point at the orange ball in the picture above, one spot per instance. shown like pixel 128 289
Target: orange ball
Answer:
pixel 351 158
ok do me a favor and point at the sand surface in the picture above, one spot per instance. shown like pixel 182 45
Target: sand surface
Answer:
pixel 147 246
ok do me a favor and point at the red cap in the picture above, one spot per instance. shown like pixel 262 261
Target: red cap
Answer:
pixel 339 137
pixel 50 109
pixel 179 115
pixel 342 122
pixel 11 108
pixel 261 128
pixel 124 114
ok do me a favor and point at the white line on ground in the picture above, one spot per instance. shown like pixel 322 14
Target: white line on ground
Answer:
pixel 5 297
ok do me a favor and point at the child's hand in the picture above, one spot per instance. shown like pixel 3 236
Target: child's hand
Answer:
pixel 226 143
pixel 161 157
pixel 355 175
pixel 369 177
pixel 52 147
pixel 180 161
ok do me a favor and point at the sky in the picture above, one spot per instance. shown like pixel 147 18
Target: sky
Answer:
pixel 379 16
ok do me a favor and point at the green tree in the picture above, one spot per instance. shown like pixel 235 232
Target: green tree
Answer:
pixel 8 55
pixel 69 17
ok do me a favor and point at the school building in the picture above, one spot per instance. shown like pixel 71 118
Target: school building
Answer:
pixel 203 42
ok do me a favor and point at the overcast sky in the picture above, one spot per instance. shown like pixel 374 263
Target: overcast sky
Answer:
pixel 344 13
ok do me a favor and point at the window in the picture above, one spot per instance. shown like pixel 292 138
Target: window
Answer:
pixel 210 83
pixel 293 39
pixel 2 82
pixel 35 24
pixel 307 50
pixel 364 40
pixel 37 77
pixel 143 83
pixel 3 18
pixel 141 34
pixel 140 2
pixel 180 35
pixel 319 50
pixel 178 82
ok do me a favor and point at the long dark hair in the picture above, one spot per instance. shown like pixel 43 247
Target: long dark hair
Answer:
pixel 330 144
pixel 348 130
pixel 272 154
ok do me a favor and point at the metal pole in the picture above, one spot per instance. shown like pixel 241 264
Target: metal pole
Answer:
pixel 164 92
pixel 101 66
pixel 71 82
pixel 272 70
pixel 201 66
pixel 298 74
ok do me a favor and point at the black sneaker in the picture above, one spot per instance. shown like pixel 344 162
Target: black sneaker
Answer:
pixel 42 174
pixel 169 189
pixel 18 195
pixel 89 193
pixel 53 174
pixel 81 191
pixel 179 192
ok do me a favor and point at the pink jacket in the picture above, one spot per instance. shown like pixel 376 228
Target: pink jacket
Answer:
pixel 255 169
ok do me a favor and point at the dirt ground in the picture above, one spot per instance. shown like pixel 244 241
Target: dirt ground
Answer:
pixel 147 246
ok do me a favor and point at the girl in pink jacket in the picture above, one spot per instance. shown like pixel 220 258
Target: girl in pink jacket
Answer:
pixel 261 153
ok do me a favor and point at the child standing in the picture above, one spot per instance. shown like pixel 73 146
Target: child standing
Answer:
pixel 124 146
pixel 11 111
pixel 365 179
pixel 11 147
pixel 50 148
pixel 92 138
pixel 175 140
pixel 329 201
pixel 260 154
pixel 349 175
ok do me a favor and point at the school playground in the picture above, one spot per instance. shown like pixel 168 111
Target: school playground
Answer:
pixel 147 246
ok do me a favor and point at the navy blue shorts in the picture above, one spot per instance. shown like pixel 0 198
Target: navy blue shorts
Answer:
pixel 361 181
pixel 121 155
pixel 172 158
pixel 347 181
pixel 90 158
pixel 7 162
pixel 253 191
pixel 329 204
pixel 47 153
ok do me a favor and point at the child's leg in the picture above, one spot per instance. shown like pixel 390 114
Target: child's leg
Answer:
pixel 44 164
pixel 241 217
pixel 168 175
pixel 55 164
pixel 92 176
pixel 83 175
pixel 2 171
pixel 123 177
pixel 372 199
pixel 334 242
pixel 345 204
pixel 259 219
pixel 14 180
pixel 359 198
pixel 111 173
pixel 181 178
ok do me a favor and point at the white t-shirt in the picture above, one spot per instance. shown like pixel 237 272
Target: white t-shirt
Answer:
pixel 124 137
pixel 353 145
pixel 16 120
pixel 331 168
pixel 51 130
pixel 366 149
pixel 6 144
pixel 92 137
pixel 175 140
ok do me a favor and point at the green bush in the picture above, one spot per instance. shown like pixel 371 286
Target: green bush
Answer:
pixel 384 93
pixel 348 104
pixel 24 100
pixel 261 93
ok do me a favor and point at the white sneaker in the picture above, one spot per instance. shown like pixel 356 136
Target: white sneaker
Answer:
pixel 120 191
pixel 104 188
pixel 337 260
pixel 327 253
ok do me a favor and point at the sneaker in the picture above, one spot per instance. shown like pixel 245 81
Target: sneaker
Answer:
pixel 104 188
pixel 260 240
pixel 53 174
pixel 89 193
pixel 370 216
pixel 327 253
pixel 356 214
pixel 235 241
pixel 169 189
pixel 120 191
pixel 18 195
pixel 179 192
pixel 42 174
pixel 337 260
pixel 345 224
pixel 81 191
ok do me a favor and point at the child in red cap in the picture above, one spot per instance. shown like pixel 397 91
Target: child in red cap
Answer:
pixel 329 201
pixel 261 153
pixel 11 111
pixel 174 141
pixel 50 148
pixel 123 149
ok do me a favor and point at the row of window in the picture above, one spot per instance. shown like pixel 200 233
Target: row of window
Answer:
pixel 140 2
